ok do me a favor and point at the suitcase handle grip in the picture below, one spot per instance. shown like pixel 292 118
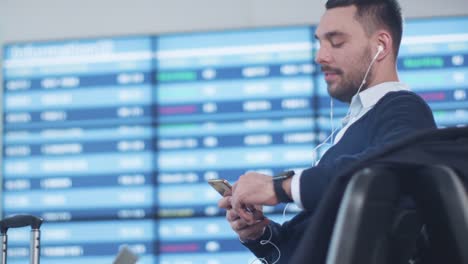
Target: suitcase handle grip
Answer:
pixel 20 221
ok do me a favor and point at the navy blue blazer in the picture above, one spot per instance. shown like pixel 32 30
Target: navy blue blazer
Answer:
pixel 395 116
pixel 447 147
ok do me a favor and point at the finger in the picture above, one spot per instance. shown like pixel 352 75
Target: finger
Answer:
pixel 240 209
pixel 261 222
pixel 258 215
pixel 231 215
pixel 227 193
pixel 234 187
pixel 239 225
pixel 246 216
pixel 235 203
pixel 225 202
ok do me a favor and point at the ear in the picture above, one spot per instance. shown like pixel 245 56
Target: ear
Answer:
pixel 384 40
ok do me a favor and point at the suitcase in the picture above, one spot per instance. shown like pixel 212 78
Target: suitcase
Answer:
pixel 22 221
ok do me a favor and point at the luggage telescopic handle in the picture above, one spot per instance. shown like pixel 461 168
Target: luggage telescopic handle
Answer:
pixel 20 221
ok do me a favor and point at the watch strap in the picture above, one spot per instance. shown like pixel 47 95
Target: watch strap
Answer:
pixel 280 193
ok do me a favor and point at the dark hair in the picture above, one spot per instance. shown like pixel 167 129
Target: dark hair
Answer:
pixel 376 14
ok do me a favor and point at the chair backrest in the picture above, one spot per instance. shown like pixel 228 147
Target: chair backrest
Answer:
pixel 443 201
pixel 370 228
pixel 364 218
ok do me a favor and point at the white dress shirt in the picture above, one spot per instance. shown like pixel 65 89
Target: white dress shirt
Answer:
pixel 360 104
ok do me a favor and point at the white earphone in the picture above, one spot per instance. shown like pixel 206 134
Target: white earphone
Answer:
pixel 379 49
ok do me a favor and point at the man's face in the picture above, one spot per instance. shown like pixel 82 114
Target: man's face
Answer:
pixel 344 53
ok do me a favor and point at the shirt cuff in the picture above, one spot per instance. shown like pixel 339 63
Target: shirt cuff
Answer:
pixel 296 189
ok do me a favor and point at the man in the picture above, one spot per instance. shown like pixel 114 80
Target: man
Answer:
pixel 359 43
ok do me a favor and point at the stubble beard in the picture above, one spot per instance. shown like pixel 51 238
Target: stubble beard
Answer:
pixel 349 84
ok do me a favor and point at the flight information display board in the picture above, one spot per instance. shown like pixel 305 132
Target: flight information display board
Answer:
pixel 112 140
pixel 227 103
pixel 78 144
pixel 433 61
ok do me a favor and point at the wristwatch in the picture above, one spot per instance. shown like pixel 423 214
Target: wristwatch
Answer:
pixel 278 186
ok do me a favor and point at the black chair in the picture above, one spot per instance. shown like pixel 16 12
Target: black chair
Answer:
pixel 372 226
pixel 442 197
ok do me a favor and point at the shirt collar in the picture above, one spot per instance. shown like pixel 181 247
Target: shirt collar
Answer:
pixel 369 97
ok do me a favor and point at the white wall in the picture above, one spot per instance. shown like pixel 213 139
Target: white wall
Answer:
pixel 57 19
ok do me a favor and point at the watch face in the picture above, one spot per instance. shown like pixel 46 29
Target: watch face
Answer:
pixel 284 175
pixel 279 178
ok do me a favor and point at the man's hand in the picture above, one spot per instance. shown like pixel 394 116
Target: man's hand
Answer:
pixel 252 189
pixel 245 230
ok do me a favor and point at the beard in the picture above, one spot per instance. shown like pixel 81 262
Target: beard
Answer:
pixel 347 86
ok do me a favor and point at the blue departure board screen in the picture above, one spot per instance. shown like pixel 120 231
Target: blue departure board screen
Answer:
pixel 433 61
pixel 112 140
pixel 79 147
pixel 227 102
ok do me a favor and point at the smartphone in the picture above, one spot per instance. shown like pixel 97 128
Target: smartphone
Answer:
pixel 222 186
